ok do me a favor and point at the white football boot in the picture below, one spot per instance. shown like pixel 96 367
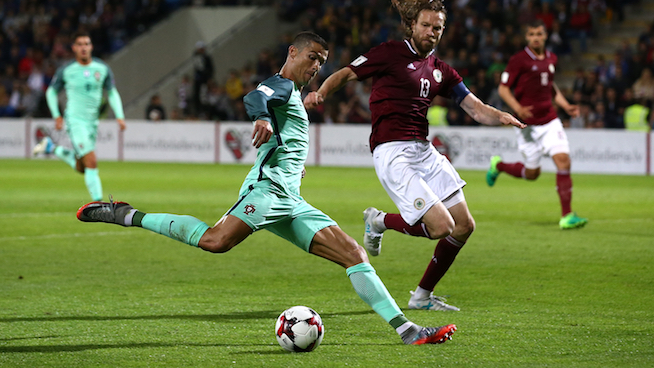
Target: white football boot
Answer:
pixel 372 237
pixel 435 303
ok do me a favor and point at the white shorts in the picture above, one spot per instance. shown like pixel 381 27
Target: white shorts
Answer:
pixel 416 176
pixel 536 141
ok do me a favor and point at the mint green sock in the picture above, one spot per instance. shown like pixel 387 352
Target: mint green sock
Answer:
pixel 66 156
pixel 186 229
pixel 93 183
pixel 372 291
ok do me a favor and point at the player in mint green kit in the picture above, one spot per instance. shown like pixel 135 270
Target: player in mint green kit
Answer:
pixel 84 80
pixel 270 195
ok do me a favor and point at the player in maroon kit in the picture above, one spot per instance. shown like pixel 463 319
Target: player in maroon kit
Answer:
pixel 422 183
pixel 530 73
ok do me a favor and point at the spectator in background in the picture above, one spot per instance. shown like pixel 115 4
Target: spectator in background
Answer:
pixel 202 72
pixel 581 26
pixel 638 117
pixel 614 110
pixel 183 94
pixel 234 85
pixel 155 110
pixel 644 87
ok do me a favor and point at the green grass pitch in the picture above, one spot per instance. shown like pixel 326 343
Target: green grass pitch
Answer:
pixel 77 295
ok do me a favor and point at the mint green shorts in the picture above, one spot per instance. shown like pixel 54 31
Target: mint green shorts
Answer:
pixel 265 206
pixel 83 135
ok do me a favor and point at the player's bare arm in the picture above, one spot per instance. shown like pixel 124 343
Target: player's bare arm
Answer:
pixel 59 123
pixel 486 114
pixel 559 99
pixel 332 84
pixel 261 133
pixel 523 112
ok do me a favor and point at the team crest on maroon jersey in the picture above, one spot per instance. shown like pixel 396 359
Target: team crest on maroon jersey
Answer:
pixel 551 68
pixel 249 208
pixel 438 75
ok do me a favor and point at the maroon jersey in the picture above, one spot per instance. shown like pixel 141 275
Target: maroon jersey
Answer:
pixel 403 86
pixel 531 80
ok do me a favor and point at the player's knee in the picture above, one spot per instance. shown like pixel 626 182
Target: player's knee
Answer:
pixel 532 175
pixel 441 229
pixel 215 243
pixel 466 227
pixel 353 252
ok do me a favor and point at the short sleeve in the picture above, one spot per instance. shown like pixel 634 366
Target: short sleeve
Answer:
pixel 511 73
pixel 274 91
pixel 372 62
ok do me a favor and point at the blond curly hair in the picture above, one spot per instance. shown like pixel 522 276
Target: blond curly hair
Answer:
pixel 410 9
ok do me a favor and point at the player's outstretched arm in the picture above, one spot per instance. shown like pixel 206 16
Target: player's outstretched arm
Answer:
pixel 117 106
pixel 332 84
pixel 559 99
pixel 486 114
pixel 523 112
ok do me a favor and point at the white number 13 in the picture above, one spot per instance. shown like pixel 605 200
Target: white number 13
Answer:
pixel 424 87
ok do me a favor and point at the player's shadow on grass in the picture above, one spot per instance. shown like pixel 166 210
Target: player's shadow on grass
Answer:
pixel 268 314
pixel 75 348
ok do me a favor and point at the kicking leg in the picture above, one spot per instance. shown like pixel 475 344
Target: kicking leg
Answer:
pixel 220 238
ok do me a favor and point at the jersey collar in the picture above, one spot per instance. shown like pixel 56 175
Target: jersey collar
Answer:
pixel 408 44
pixel 533 56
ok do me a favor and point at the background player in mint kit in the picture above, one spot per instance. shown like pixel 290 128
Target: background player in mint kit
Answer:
pixel 270 195
pixel 422 183
pixel 530 73
pixel 84 80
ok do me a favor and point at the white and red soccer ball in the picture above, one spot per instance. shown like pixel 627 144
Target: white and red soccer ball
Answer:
pixel 299 329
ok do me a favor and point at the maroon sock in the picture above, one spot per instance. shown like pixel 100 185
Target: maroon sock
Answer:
pixel 516 169
pixel 444 254
pixel 564 187
pixel 396 222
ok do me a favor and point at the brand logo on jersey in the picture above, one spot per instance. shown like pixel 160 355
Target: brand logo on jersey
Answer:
pixel 551 68
pixel 249 208
pixel 438 75
pixel 534 68
pixel 97 76
pixel 411 66
pixel 87 74
pixel 419 203
pixel 358 61
pixel 266 90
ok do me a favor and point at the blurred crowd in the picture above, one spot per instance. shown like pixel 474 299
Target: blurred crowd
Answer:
pixel 480 37
pixel 35 41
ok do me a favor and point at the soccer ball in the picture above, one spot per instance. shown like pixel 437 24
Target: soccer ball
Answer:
pixel 299 329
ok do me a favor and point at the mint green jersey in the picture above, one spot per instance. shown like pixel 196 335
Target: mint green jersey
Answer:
pixel 281 159
pixel 84 85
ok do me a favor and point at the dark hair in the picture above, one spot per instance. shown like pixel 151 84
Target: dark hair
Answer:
pixel 79 34
pixel 535 24
pixel 410 10
pixel 304 39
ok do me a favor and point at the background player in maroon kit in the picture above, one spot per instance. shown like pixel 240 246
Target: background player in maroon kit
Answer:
pixel 422 183
pixel 530 73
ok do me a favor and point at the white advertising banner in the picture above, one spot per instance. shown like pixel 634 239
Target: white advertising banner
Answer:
pixel 106 144
pixel 235 144
pixel 343 145
pixel 591 151
pixel 169 142
pixel 608 151
pixel 12 138
pixel 600 151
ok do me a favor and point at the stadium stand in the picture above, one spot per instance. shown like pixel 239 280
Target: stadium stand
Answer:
pixel 605 49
